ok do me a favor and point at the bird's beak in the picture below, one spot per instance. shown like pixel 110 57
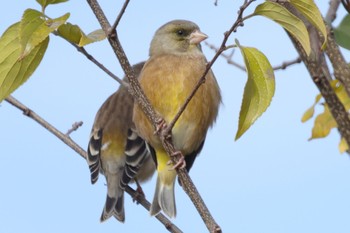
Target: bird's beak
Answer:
pixel 197 36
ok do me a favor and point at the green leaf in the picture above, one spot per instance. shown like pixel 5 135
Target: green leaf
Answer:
pixel 13 71
pixel 310 112
pixel 45 3
pixel 259 89
pixel 75 35
pixel 287 20
pixel 342 33
pixel 70 32
pixel 309 9
pixel 94 36
pixel 35 29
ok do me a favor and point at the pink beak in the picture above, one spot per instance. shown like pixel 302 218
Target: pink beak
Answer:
pixel 197 36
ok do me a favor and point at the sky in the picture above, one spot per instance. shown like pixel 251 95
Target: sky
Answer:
pixel 271 180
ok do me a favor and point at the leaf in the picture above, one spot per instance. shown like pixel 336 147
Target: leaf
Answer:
pixel 45 3
pixel 94 36
pixel 259 89
pixel 70 32
pixel 35 29
pixel 342 33
pixel 75 35
pixel 287 20
pixel 343 146
pixel 310 112
pixel 309 9
pixel 14 72
pixel 323 124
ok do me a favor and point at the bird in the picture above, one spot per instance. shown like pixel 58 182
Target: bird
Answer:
pixel 116 151
pixel 175 64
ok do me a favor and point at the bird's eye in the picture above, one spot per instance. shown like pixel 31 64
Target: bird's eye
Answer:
pixel 180 32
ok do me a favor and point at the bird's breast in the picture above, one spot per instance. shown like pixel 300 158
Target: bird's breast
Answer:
pixel 167 81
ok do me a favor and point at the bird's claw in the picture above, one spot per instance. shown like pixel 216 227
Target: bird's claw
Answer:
pixel 160 125
pixel 179 164
pixel 139 192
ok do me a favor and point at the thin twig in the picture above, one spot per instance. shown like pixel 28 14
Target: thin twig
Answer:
pixel 120 15
pixel 97 63
pixel 227 57
pixel 222 48
pixel 332 11
pixel 286 64
pixel 230 61
pixel 346 5
pixel 75 127
pixel 69 142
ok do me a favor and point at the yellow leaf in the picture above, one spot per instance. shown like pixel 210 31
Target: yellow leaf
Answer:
pixel 309 9
pixel 259 89
pixel 287 20
pixel 323 124
pixel 310 112
pixel 343 146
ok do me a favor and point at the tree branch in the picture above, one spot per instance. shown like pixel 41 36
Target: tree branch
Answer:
pixel 141 99
pixel 121 13
pixel 340 66
pixel 69 142
pixel 332 11
pixel 229 60
pixel 227 57
pixel 75 127
pixel 97 63
pixel 318 69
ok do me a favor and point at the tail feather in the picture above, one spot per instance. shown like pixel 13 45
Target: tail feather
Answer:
pixel 164 199
pixel 118 211
pixel 114 205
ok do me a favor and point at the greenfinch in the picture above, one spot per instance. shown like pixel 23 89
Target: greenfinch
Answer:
pixel 175 65
pixel 116 151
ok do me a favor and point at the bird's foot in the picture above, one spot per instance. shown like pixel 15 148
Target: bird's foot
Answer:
pixel 139 192
pixel 160 125
pixel 181 163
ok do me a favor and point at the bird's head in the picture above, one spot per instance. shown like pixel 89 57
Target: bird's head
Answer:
pixel 177 37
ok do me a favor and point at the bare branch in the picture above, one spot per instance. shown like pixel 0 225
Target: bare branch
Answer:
pixel 121 13
pixel 341 68
pixel 75 127
pixel 332 11
pixel 230 61
pixel 227 57
pixel 69 142
pixel 286 64
pixel 97 63
pixel 346 5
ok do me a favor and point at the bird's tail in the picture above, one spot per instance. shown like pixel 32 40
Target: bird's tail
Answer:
pixel 114 202
pixel 164 196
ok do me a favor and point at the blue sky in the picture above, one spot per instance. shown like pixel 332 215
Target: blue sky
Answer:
pixel 271 180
